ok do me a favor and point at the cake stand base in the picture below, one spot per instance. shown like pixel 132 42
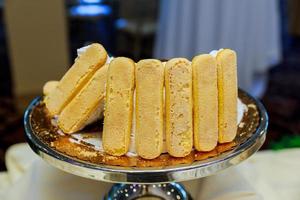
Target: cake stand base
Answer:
pixel 167 191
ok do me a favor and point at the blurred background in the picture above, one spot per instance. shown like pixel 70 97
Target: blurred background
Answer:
pixel 39 39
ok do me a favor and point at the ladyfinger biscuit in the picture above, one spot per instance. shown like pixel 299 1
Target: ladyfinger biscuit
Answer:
pixel 87 105
pixel 118 106
pixel 149 108
pixel 179 107
pixel 228 91
pixel 49 86
pixel 205 95
pixel 76 77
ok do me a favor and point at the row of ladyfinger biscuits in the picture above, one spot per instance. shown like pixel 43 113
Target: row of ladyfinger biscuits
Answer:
pixel 198 112
pixel 200 104
pixel 78 98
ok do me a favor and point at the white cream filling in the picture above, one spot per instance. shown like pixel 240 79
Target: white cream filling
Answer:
pixel 214 53
pixel 96 141
pixel 81 50
pixel 241 110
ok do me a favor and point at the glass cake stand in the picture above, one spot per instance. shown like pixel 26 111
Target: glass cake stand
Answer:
pixel 151 182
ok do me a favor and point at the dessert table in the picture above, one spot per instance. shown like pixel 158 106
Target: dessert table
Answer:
pixel 266 175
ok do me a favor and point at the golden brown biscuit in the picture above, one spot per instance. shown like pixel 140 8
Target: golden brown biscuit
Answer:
pixel 49 86
pixel 179 107
pixel 149 108
pixel 118 106
pixel 228 91
pixel 76 77
pixel 205 93
pixel 87 106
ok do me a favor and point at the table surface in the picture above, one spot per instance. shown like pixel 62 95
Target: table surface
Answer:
pixel 28 177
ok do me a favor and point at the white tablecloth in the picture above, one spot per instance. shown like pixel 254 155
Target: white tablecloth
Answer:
pixel 251 27
pixel 267 175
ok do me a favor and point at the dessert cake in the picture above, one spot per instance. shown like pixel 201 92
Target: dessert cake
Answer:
pixel 150 113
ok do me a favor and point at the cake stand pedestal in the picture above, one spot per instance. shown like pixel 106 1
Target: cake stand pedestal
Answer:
pixel 152 183
pixel 166 191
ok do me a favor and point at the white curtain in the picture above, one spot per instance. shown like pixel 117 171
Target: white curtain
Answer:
pixel 250 27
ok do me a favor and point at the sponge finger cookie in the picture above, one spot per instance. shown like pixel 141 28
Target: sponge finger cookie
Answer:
pixel 87 105
pixel 149 108
pixel 179 107
pixel 76 77
pixel 205 93
pixel 228 91
pixel 118 106
pixel 49 86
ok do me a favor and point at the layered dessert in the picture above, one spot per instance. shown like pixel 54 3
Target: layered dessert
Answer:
pixel 150 113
